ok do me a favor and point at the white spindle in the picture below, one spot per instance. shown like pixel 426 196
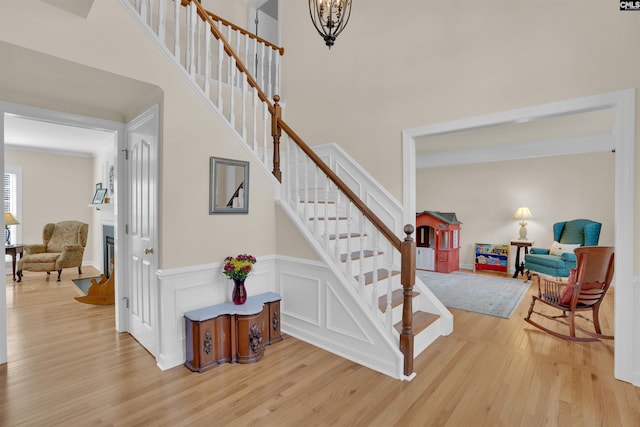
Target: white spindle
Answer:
pixel 296 190
pixel 230 70
pixel 254 100
pixel 142 9
pixel 306 189
pixel 150 11
pixel 162 21
pixel 232 103
pixel 265 126
pixel 220 59
pixel 244 106
pixel 390 288
pixel 247 40
pixel 337 227
pixel 376 252
pixel 362 243
pixel 288 169
pixel 327 213
pixel 349 240
pixel 199 26
pixel 269 86
pixel 191 40
pixel 277 73
pixel 176 29
pixel 207 59
pixel 262 46
pixel 316 212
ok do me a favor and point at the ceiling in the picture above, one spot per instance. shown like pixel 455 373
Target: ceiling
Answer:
pixel 31 78
pixel 25 133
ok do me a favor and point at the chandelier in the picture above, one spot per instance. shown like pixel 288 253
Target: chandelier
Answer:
pixel 330 17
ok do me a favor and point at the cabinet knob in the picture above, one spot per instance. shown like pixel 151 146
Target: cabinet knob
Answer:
pixel 148 251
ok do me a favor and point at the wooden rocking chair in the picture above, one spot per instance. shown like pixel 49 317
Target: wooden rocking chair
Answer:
pixel 593 278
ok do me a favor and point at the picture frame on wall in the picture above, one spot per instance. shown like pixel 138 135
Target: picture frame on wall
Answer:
pixel 98 198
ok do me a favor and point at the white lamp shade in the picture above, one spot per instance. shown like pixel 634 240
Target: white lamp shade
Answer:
pixel 523 212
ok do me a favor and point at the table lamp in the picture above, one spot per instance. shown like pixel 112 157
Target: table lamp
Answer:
pixel 523 213
pixel 9 219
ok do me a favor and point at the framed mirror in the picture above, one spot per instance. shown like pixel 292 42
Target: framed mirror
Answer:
pixel 229 186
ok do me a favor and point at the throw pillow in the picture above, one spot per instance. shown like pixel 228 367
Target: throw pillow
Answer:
pixel 567 292
pixel 558 249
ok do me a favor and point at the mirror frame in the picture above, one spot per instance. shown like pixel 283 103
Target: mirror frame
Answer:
pixel 216 162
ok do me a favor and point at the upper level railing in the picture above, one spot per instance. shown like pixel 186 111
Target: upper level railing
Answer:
pixel 215 64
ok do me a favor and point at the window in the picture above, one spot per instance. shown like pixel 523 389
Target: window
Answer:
pixel 12 198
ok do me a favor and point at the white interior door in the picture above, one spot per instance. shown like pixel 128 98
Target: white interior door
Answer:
pixel 140 229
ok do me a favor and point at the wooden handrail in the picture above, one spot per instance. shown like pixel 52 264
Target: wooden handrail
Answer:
pixel 381 226
pixel 204 14
pixel 240 29
pixel 278 49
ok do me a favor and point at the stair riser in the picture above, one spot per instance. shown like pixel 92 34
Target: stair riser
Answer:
pixel 367 264
pixel 319 210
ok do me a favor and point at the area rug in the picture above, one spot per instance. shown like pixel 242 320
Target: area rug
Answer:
pixel 83 284
pixel 479 293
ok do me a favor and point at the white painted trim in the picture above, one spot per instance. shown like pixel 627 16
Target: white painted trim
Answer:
pixel 555 147
pixel 627 296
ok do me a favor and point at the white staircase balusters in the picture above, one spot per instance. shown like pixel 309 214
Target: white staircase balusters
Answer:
pixel 369 247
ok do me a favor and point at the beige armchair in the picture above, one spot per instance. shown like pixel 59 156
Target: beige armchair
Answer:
pixel 63 246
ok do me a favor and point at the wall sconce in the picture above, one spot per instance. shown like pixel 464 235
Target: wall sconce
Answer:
pixel 523 213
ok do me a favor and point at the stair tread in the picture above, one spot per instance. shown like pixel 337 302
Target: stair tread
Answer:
pixel 345 235
pixel 397 298
pixel 421 320
pixel 356 255
pixel 383 273
pixel 329 202
pixel 331 218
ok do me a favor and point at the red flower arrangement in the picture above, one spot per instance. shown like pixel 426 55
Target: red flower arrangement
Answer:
pixel 238 268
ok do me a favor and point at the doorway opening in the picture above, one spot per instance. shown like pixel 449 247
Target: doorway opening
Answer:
pixel 622 136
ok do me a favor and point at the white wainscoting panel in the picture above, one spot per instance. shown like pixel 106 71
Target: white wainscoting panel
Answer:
pixel 189 288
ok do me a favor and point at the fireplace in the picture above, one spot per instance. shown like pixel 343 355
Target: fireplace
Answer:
pixel 108 249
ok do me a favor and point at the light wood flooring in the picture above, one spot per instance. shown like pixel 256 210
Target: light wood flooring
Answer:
pixel 68 367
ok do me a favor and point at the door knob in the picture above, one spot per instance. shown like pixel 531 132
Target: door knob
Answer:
pixel 148 251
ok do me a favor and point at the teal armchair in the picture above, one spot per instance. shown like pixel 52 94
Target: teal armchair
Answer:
pixel 560 259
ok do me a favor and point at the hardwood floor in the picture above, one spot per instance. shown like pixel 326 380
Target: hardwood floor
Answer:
pixel 67 366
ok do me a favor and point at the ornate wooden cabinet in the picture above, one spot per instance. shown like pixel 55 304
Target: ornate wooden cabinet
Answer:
pixel 231 333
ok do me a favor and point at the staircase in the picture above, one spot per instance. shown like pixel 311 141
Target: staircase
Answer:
pixel 361 250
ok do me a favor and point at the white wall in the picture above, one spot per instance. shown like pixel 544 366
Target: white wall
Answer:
pixel 54 188
pixel 485 197
pixel 188 235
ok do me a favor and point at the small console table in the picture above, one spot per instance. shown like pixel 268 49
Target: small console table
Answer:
pixel 526 244
pixel 14 251
pixel 232 333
